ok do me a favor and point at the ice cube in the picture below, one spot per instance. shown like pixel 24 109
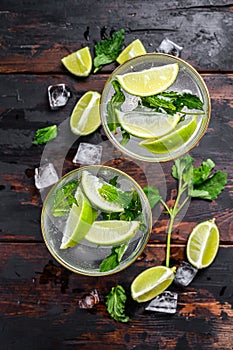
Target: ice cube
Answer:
pixel 88 153
pixel 45 176
pixel 168 46
pixel 185 274
pixel 58 95
pixel 89 300
pixel 130 103
pixel 164 302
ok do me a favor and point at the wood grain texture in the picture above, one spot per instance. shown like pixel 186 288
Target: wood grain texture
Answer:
pixel 35 38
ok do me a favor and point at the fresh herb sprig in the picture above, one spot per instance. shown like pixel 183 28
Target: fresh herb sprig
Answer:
pixel 115 302
pixel 115 103
pixel 45 134
pixel 173 102
pixel 201 182
pixel 107 50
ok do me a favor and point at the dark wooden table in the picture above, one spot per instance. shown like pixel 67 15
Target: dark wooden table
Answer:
pixel 39 298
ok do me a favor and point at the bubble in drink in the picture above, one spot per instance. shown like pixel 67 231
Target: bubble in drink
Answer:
pixel 185 274
pixel 168 46
pixel 45 176
pixel 165 302
pixel 88 153
pixel 58 95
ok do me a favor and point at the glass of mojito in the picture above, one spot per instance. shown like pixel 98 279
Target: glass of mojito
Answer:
pixel 96 220
pixel 155 107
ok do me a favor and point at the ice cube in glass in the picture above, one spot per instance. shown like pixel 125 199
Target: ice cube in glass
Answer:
pixel 58 95
pixel 168 46
pixel 45 176
pixel 165 302
pixel 185 274
pixel 88 153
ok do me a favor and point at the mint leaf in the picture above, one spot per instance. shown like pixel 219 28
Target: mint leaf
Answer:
pixel 107 50
pixel 211 188
pixel 157 103
pixel 115 302
pixel 45 134
pixel 64 199
pixel 152 194
pixel 113 260
pixel 125 138
pixel 203 172
pixel 112 194
pixel 113 181
pixel 187 100
pixel 182 168
pixel 115 103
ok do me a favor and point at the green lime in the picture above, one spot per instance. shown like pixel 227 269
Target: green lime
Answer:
pixel 79 63
pixel 149 81
pixel 112 232
pixel 151 282
pixel 91 185
pixel 134 49
pixel 79 221
pixel 203 244
pixel 147 123
pixel 85 117
pixel 173 140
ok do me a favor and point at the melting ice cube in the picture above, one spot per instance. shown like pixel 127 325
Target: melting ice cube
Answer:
pixel 164 302
pixel 185 274
pixel 88 153
pixel 58 95
pixel 89 300
pixel 168 46
pixel 45 176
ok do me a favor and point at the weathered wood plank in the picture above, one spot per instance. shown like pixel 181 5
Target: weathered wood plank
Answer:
pixel 35 38
pixel 40 295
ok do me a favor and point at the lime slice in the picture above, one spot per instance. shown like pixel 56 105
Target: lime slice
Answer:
pixel 147 123
pixel 91 184
pixel 85 117
pixel 79 63
pixel 112 232
pixel 173 140
pixel 149 81
pixel 203 244
pixel 79 221
pixel 151 282
pixel 134 49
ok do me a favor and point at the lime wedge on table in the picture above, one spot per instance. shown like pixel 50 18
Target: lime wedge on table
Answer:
pixel 91 185
pixel 149 81
pixel 134 49
pixel 79 62
pixel 203 244
pixel 151 282
pixel 147 123
pixel 112 232
pixel 173 140
pixel 85 117
pixel 79 221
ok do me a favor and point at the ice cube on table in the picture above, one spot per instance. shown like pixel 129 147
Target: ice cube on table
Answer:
pixel 58 95
pixel 88 153
pixel 185 274
pixel 165 302
pixel 45 176
pixel 168 46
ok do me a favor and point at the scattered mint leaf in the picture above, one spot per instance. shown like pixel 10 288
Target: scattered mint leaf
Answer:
pixel 45 134
pixel 115 302
pixel 152 194
pixel 107 50
pixel 115 103
pixel 210 188
pixel 203 172
pixel 64 199
pixel 113 260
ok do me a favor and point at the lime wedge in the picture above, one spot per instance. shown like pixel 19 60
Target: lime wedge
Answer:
pixel 203 244
pixel 91 185
pixel 79 221
pixel 112 232
pixel 147 123
pixel 151 282
pixel 134 49
pixel 173 140
pixel 79 63
pixel 149 81
pixel 85 117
